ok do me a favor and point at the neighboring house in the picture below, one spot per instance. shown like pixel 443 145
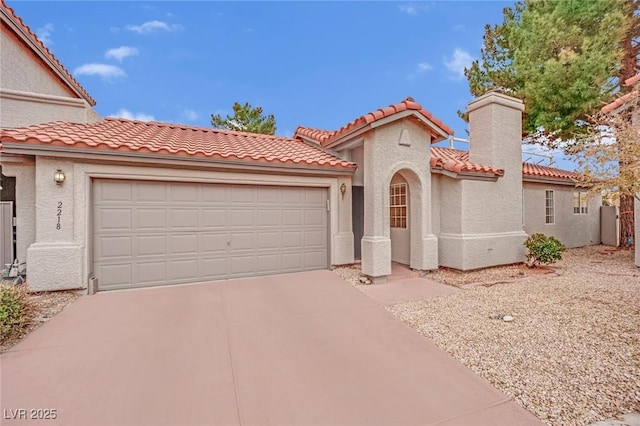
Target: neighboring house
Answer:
pixel 630 100
pixel 124 203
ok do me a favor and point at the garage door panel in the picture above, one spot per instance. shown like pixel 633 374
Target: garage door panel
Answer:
pixel 314 218
pixel 151 218
pixel 292 195
pixel 242 217
pixel 243 194
pixel 115 246
pixel 267 196
pixel 212 243
pixel 183 244
pixel 151 272
pixel 268 217
pixel 183 193
pixel 150 192
pixel 314 259
pixel 114 219
pixel 155 233
pixel 315 239
pixel 268 240
pixel 291 239
pixel 214 194
pixel 116 274
pixel 242 241
pixel 292 217
pixel 151 245
pixel 268 263
pixel 183 270
pixel 183 218
pixel 213 218
pixel 116 191
pixel 242 265
pixel 214 268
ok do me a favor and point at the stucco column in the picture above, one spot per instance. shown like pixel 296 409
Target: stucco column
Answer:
pixel 376 244
pixel 55 259
pixel 342 245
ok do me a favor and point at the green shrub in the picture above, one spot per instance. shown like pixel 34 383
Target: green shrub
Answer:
pixel 15 312
pixel 543 249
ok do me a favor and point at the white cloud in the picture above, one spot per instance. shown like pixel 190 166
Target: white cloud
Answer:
pixel 190 115
pixel 459 28
pixel 421 69
pixel 119 53
pixel 151 26
pixel 424 67
pixel 103 70
pixel 457 62
pixel 412 9
pixel 44 34
pixel 125 113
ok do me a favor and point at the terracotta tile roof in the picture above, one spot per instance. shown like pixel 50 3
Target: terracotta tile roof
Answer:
pixel 536 170
pixel 325 137
pixel 626 98
pixel 71 81
pixel 162 138
pixel 457 161
pixel 317 135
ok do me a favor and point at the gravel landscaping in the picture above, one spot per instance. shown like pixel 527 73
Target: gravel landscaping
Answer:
pixel 45 306
pixel 570 353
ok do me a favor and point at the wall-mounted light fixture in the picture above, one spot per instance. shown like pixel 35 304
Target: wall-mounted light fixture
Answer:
pixel 59 177
pixel 343 189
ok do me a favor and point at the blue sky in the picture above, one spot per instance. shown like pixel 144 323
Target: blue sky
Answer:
pixel 319 64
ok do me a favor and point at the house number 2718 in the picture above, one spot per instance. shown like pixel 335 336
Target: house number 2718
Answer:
pixel 59 214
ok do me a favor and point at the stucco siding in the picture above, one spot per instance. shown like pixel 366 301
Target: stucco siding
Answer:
pixel 60 258
pixel 573 230
pixel 31 93
pixel 21 70
pixel 400 146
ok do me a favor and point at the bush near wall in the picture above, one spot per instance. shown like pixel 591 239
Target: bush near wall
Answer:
pixel 543 249
pixel 15 312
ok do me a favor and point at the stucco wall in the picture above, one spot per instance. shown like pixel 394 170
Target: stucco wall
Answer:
pixel 573 230
pixel 400 146
pixel 31 93
pixel 61 258
pixel 481 221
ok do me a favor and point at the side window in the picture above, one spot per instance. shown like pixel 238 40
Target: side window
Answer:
pixel 398 205
pixel 580 203
pixel 550 210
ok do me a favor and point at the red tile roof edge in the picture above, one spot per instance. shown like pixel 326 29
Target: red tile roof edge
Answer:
pixel 408 104
pixel 58 134
pixel 71 80
pixel 457 161
pixel 624 98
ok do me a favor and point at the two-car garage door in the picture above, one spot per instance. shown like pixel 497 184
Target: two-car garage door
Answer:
pixel 157 233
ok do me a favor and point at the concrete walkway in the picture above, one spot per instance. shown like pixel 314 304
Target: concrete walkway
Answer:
pixel 297 349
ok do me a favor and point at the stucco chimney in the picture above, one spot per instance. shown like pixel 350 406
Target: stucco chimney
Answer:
pixel 495 132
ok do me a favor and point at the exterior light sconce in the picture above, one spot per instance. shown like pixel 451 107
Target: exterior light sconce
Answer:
pixel 59 177
pixel 343 189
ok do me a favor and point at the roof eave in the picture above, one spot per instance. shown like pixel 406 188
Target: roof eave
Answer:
pixel 20 148
pixel 549 180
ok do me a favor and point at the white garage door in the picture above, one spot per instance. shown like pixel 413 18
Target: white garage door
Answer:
pixel 160 233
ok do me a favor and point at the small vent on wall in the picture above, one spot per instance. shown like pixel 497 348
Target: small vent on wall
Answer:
pixel 405 138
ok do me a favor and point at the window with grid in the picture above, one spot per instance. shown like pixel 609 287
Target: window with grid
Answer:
pixel 550 213
pixel 398 205
pixel 580 203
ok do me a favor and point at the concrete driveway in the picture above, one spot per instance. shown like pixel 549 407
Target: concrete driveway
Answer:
pixel 297 349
